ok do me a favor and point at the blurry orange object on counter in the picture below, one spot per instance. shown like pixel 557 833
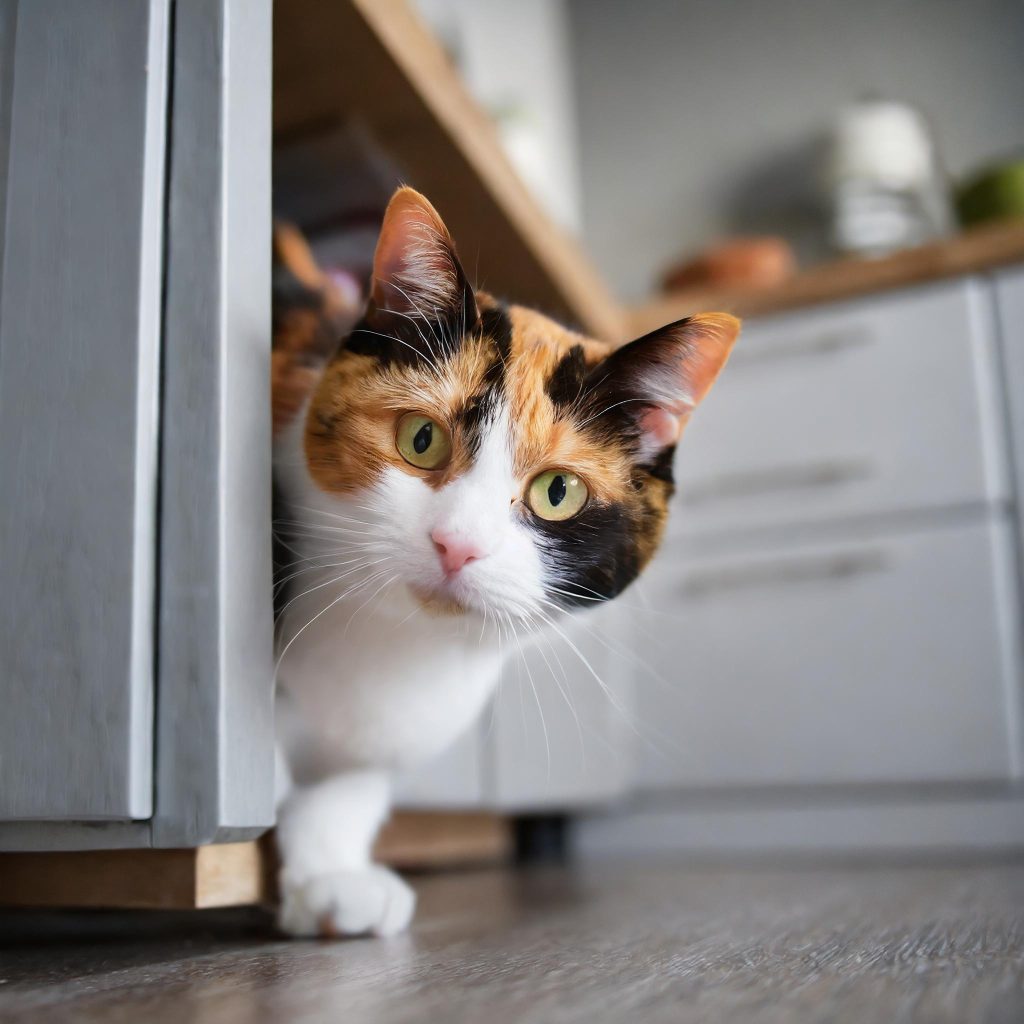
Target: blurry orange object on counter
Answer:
pixel 738 263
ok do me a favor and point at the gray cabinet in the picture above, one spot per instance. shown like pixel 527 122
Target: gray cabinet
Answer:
pixel 134 422
pixel 879 657
pixel 842 567
pixel 836 659
pixel 882 406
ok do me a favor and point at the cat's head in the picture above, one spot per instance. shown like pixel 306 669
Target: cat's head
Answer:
pixel 500 462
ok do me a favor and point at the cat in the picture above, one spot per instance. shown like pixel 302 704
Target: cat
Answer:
pixel 451 464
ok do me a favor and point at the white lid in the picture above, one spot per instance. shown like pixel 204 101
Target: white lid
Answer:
pixel 882 141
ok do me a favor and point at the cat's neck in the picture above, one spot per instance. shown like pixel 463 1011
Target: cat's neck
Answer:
pixel 378 682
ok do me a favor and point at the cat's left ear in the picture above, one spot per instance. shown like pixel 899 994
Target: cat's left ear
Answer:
pixel 416 272
pixel 655 382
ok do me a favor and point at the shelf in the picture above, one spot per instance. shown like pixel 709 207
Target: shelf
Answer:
pixel 980 249
pixel 373 64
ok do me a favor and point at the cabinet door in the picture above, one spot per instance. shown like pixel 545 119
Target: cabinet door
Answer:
pixel 84 98
pixel 892 658
pixel 88 261
pixel 215 709
pixel 879 406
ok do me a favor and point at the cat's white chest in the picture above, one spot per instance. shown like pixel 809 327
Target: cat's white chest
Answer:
pixel 369 689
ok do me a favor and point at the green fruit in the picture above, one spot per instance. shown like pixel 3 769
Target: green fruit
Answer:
pixel 995 194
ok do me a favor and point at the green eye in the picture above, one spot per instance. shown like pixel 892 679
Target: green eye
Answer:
pixel 422 442
pixel 557 494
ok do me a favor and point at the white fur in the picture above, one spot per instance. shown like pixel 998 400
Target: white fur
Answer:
pixel 368 681
pixel 328 884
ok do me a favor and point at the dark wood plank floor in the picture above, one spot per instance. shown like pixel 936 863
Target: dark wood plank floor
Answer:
pixel 616 943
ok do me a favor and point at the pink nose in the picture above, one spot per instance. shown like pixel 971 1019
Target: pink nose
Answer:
pixel 455 551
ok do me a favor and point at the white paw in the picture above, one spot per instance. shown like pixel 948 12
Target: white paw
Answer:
pixel 370 900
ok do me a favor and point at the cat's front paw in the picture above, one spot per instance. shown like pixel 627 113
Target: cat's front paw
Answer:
pixel 368 901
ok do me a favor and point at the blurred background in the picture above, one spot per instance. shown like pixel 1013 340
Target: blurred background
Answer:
pixel 827 653
pixel 741 133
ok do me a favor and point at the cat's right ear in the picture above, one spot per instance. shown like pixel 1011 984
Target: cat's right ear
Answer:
pixel 417 276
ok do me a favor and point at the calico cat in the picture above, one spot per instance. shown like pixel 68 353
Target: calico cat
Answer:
pixel 453 464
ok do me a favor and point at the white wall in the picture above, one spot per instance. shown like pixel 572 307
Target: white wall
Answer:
pixel 515 59
pixel 695 116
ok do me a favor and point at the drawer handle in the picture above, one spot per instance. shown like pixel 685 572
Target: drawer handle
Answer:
pixel 781 478
pixel 818 345
pixel 783 574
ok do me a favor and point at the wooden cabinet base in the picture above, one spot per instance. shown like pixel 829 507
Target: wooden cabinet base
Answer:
pixel 226 875
pixel 230 874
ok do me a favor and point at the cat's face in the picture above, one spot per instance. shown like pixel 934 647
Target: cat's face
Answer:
pixel 502 463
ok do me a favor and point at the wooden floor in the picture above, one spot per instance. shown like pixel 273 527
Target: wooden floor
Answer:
pixel 858 944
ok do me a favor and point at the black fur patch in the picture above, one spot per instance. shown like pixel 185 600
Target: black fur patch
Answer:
pixel 283 556
pixel 400 343
pixel 475 414
pixel 594 555
pixel 565 385
pixel 618 389
pixel 661 467
pixel 291 299
pixel 496 327
pixel 393 337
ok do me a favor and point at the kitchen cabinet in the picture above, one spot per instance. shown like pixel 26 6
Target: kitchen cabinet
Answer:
pixel 840 589
pixel 842 564
pixel 84 147
pixel 134 424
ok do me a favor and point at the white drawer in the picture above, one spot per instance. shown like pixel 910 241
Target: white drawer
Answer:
pixel 884 660
pixel 882 405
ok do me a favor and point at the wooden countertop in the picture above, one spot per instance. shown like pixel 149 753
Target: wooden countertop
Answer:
pixel 980 249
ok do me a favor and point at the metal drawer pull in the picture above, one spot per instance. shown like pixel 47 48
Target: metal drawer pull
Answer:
pixel 780 478
pixel 706 584
pixel 817 345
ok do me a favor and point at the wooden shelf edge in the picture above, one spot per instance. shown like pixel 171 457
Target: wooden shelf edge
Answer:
pixel 980 249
